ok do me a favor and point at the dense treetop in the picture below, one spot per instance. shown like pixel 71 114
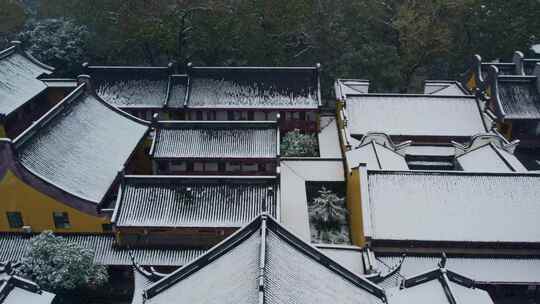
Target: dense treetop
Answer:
pixel 395 43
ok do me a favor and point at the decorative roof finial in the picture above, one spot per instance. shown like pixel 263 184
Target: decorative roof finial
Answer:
pixel 442 263
pixel 86 80
pixel 155 119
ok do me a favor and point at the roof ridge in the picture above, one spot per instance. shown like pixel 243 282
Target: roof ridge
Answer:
pixel 48 116
pixel 431 96
pixel 263 222
pixel 90 90
pixel 456 173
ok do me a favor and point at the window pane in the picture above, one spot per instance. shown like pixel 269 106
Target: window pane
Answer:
pixel 15 219
pixel 61 220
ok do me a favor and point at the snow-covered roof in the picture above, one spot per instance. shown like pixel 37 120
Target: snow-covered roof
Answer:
pixel 451 206
pixel 347 256
pixel 265 263
pixel 490 158
pixel 188 139
pixel 194 201
pixel 375 156
pixel 444 88
pixel 344 87
pixel 440 285
pixel 15 246
pixel 19 81
pixel 144 87
pixel 414 115
pixel 80 145
pixel 483 268
pixel 516 97
pixel 254 87
pixel 15 289
pixel 177 91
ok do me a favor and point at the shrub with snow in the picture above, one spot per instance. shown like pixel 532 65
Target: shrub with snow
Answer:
pixel 295 143
pixel 59 265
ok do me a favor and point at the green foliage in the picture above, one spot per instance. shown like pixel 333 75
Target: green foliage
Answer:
pixel 57 42
pixel 396 43
pixel 297 144
pixel 12 18
pixel 60 266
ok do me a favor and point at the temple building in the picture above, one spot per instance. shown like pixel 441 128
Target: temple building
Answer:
pixel 141 91
pixel 214 93
pixel 189 211
pixel 255 93
pixel 183 183
pixel 445 118
pixel 261 263
pixel 515 102
pixel 62 172
pixel 215 148
pixel 476 76
pixel 25 94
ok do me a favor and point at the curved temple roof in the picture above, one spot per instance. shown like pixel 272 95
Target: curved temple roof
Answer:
pixel 124 87
pixel 263 263
pixel 517 98
pixel 414 115
pixel 19 81
pixel 440 286
pixel 80 145
pixel 254 87
pixel 166 201
pixel 215 140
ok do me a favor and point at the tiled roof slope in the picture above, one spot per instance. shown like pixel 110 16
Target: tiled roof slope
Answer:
pixel 440 286
pixel 344 87
pixel 444 88
pixel 144 87
pixel 177 91
pixel 452 207
pixel 19 81
pixel 376 156
pixel 14 247
pixel 399 115
pixel 490 158
pixel 215 140
pixel 80 145
pixel 483 269
pixel 263 263
pixel 166 201
pixel 518 98
pixel 253 87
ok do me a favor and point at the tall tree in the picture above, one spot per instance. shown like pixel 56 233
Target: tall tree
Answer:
pixel 12 18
